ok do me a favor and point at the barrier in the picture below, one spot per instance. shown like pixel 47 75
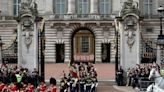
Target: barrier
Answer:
pixel 144 83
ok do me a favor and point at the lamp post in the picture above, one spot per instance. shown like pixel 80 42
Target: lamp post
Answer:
pixel 1 50
pixel 116 55
pixel 160 39
pixel 160 11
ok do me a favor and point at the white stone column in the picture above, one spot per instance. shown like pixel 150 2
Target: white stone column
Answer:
pixel 28 56
pixel 94 7
pixel 129 52
pixel 35 64
pixel 71 7
pixel 121 31
pixel 158 54
pixel 49 6
pixel 19 44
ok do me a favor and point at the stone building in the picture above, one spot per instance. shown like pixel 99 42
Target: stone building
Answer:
pixel 84 30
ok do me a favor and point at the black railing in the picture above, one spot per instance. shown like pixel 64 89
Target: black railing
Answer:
pixel 9 54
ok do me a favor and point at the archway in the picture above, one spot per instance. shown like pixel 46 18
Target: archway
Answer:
pixel 83 45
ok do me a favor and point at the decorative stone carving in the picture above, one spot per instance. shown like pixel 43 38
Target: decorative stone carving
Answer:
pixel 59 32
pixel 130 26
pixel 106 31
pixel 28 7
pixel 129 7
pixel 27 38
pixel 27 23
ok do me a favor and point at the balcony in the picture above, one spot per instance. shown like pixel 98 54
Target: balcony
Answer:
pixel 80 16
pixel 6 17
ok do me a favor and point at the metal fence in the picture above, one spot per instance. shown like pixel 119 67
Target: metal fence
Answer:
pixel 144 82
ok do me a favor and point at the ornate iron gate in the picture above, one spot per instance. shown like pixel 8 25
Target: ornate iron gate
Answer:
pixel 149 51
pixel 9 55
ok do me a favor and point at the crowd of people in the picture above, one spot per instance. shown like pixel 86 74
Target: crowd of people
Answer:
pixel 81 78
pixel 140 72
pixel 18 79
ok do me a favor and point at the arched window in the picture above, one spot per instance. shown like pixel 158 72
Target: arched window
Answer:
pixel 16 5
pixel 105 6
pixel 60 6
pixel 83 6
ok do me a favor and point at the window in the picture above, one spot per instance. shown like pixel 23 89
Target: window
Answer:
pixel 59 6
pixel 149 30
pixel 83 6
pixel 105 6
pixel 84 44
pixel 148 7
pixel 16 7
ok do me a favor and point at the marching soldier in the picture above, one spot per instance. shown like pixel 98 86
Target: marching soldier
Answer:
pixel 93 74
pixel 74 78
pixel 82 75
pixel 88 83
pixel 63 85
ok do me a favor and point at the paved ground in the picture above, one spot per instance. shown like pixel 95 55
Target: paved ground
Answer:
pixel 106 74
pixel 105 71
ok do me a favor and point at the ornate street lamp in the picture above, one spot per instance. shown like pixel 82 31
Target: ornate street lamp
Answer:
pixel 161 12
pixel 160 39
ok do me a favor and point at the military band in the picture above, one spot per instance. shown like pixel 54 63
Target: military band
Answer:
pixel 81 78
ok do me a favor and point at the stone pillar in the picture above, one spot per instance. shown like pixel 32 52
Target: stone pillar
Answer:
pixel 71 7
pixel 49 6
pixel 158 54
pixel 19 44
pixel 94 7
pixel 28 36
pixel 35 46
pixel 28 47
pixel 129 41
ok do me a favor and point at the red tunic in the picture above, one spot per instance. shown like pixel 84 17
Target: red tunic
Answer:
pixel 1 87
pixel 42 87
pixel 53 89
pixel 31 88
pixel 13 87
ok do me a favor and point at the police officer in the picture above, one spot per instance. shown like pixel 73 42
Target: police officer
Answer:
pixel 120 76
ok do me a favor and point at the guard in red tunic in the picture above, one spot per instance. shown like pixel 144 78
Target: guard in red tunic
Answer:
pixel 2 85
pixel 42 87
pixel 52 87
pixel 13 87
pixel 30 87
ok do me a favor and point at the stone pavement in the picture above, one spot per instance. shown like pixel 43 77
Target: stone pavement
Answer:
pixel 105 71
pixel 125 88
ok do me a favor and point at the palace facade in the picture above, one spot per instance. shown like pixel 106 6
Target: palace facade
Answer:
pixel 82 30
